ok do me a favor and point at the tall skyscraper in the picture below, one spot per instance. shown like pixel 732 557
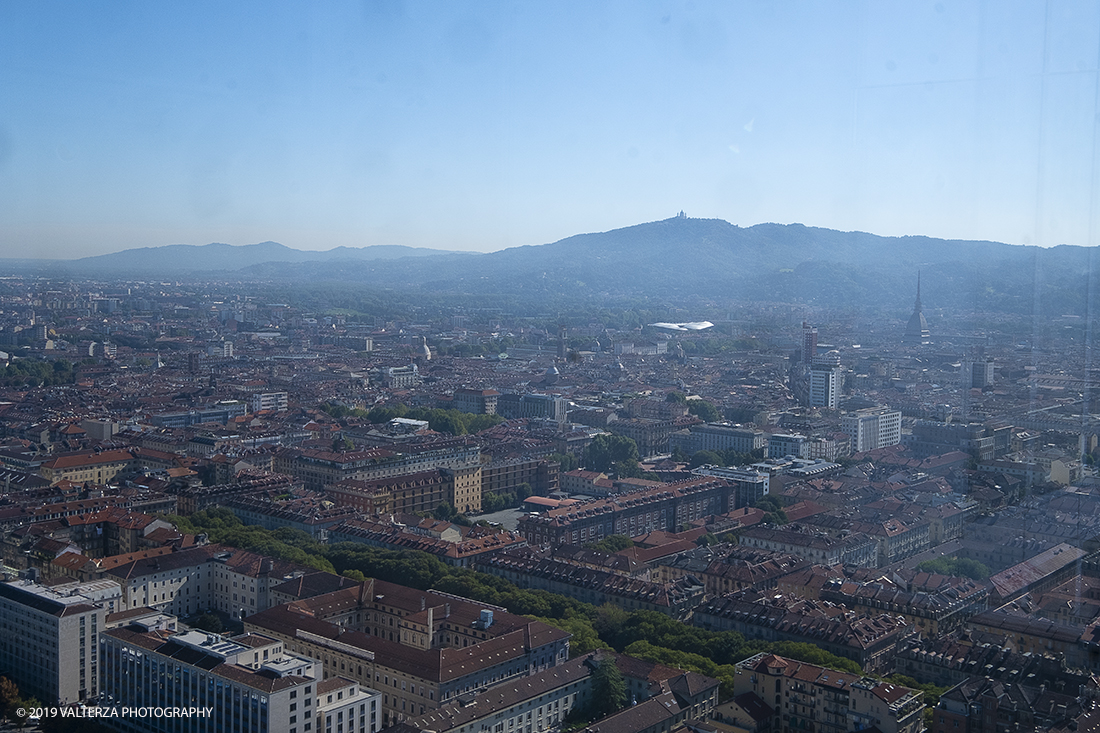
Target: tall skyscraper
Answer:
pixel 826 380
pixel 809 343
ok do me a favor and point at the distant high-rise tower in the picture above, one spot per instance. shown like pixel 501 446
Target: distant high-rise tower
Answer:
pixel 916 332
pixel 826 381
pixel 981 373
pixel 561 341
pixel 809 343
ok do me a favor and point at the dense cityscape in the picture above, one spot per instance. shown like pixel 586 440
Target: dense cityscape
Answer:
pixel 291 517
pixel 673 366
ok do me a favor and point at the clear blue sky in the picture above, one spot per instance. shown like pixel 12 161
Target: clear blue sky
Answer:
pixel 484 125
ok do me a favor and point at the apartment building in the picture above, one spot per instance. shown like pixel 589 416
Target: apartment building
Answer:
pixel 504 476
pixel 541 702
pixel 870 642
pixel 309 514
pixel 420 649
pixel 814 545
pixel 236 582
pixel 876 427
pixel 95 467
pixel 807 697
pixel 49 637
pixel 476 401
pixel 932 613
pixel 529 568
pixel 718 437
pixel 321 469
pixel 665 507
pixel 275 401
pixel 410 493
pixel 245 683
pixel 461 550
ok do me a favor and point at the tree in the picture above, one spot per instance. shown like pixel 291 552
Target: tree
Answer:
pixel 704 410
pixel 567 461
pixel 209 622
pixel 741 414
pixel 957 566
pixel 705 457
pixel 628 468
pixel 9 697
pixel 613 543
pixel 608 688
pixel 609 618
pixel 607 449
pixel 447 421
pixel 769 503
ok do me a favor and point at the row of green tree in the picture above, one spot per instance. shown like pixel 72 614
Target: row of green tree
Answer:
pixel 646 634
pixel 494 502
pixel 615 454
pixel 702 409
pixel 729 457
pixel 442 421
pixel 957 566
pixel 36 373
pixel 773 509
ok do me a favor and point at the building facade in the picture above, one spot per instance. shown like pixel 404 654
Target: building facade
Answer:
pixel 476 401
pixel 49 637
pixel 872 428
pixel 275 401
pixel 826 381
pixel 666 508
pixel 805 697
pixel 243 683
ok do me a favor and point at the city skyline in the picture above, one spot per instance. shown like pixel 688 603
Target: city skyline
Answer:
pixel 482 127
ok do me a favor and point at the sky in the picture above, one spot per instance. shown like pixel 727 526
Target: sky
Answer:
pixel 485 125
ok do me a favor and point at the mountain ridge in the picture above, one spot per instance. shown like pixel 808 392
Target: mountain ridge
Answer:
pixel 671 259
pixel 192 258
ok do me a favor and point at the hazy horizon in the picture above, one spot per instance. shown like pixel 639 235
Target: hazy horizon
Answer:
pixel 485 126
pixel 441 249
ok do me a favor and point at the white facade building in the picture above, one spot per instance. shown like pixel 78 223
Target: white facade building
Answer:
pixel 276 401
pixel 246 683
pixel 49 637
pixel 872 428
pixel 826 381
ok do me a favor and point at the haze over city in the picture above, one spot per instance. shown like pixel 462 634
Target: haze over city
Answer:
pixel 560 367
pixel 480 126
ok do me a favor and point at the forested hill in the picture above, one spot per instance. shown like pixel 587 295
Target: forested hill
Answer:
pixel 674 260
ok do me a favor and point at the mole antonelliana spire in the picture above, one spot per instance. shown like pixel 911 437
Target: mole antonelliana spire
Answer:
pixel 916 332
